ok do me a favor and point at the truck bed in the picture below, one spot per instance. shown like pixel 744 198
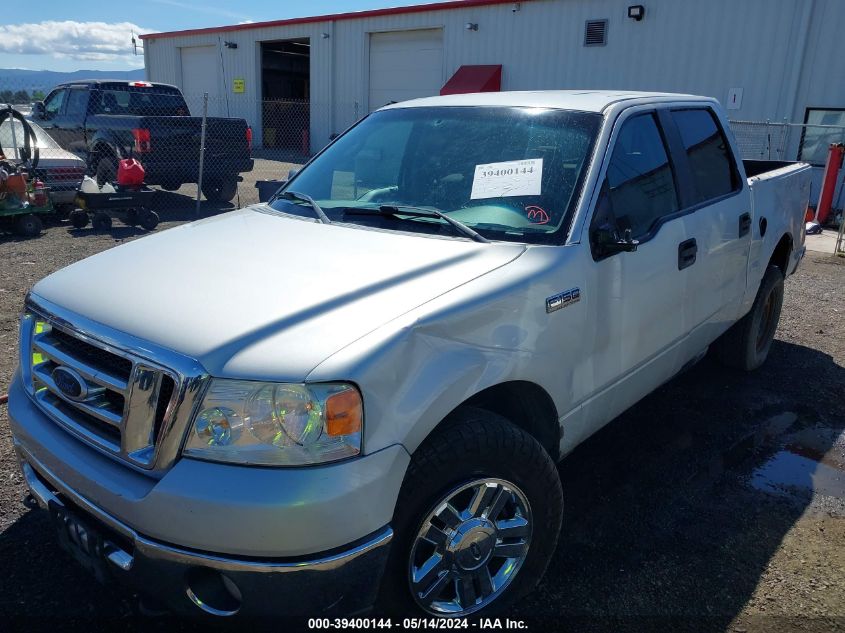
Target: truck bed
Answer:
pixel 759 167
pixel 780 193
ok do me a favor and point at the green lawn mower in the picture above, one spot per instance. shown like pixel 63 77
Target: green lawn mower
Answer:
pixel 24 199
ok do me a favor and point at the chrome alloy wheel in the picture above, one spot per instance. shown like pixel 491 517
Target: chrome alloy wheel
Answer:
pixel 470 547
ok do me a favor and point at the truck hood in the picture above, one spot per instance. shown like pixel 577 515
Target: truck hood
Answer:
pixel 253 294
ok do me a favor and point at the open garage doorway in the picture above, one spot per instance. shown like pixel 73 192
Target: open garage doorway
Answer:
pixel 286 89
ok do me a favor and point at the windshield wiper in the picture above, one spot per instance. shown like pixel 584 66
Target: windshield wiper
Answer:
pixel 304 197
pixel 417 212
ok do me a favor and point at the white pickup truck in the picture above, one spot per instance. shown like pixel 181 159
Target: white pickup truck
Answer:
pixel 355 395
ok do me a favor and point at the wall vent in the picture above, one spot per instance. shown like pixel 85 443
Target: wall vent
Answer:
pixel 595 33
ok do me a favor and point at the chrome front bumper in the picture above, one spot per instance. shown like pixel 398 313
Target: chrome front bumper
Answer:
pixel 191 582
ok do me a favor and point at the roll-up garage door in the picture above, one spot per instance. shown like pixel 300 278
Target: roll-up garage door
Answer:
pixel 405 65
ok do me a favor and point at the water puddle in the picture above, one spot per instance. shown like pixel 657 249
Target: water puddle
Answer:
pixel 811 463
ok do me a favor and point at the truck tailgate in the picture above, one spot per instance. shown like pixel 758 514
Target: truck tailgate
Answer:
pixel 178 138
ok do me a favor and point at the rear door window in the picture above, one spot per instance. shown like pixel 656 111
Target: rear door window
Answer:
pixel 711 161
pixel 639 188
pixel 77 103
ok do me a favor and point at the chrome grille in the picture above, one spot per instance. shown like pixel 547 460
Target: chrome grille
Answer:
pixel 111 398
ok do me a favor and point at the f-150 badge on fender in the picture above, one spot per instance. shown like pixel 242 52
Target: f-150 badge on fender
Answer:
pixel 563 299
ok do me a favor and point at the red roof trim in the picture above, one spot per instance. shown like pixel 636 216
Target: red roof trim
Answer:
pixel 336 17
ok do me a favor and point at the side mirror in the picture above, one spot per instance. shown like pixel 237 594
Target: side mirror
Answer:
pixel 38 110
pixel 606 241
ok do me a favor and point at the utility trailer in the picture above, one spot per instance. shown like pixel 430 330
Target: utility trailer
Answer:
pixel 130 206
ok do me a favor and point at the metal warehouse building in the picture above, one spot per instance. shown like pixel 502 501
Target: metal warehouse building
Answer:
pixel 299 81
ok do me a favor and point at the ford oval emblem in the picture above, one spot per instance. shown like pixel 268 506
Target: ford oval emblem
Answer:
pixel 70 383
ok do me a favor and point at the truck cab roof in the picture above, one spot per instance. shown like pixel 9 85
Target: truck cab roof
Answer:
pixel 101 83
pixel 582 100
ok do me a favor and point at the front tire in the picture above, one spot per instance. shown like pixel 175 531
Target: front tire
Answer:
pixel 148 219
pixel 477 519
pixel 78 218
pixel 747 343
pixel 29 225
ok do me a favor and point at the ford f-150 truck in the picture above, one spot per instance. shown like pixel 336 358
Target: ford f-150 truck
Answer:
pixel 355 395
pixel 104 121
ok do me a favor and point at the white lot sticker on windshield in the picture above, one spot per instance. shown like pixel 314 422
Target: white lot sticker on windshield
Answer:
pixel 513 178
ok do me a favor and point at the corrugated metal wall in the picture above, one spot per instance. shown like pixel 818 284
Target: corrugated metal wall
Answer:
pixel 781 53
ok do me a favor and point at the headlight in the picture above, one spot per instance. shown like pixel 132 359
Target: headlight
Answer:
pixel 248 422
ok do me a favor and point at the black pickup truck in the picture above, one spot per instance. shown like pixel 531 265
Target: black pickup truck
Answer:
pixel 104 121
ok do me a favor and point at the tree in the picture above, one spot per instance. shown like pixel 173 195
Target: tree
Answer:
pixel 38 95
pixel 6 96
pixel 21 96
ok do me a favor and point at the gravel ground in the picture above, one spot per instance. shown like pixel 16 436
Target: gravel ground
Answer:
pixel 675 515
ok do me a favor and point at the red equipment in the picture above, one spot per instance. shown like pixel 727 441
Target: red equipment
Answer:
pixel 40 193
pixel 130 173
pixel 142 140
pixel 831 174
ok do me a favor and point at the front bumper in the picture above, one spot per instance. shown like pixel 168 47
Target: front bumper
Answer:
pixel 323 529
pixel 189 582
pixel 244 511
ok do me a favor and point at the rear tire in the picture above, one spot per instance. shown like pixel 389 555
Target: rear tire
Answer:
pixel 29 225
pixel 476 456
pixel 130 217
pixel 220 190
pixel 101 221
pixel 746 345
pixel 106 170
pixel 171 186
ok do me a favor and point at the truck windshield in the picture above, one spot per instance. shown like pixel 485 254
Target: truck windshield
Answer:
pixel 508 173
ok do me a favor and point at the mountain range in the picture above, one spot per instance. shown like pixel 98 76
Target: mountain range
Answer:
pixel 43 80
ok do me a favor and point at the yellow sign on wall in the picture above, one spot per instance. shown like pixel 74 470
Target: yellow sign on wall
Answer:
pixel 238 85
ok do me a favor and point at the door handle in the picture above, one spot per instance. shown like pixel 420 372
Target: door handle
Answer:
pixel 687 250
pixel 744 224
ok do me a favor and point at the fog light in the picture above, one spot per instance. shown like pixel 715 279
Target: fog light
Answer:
pixel 212 592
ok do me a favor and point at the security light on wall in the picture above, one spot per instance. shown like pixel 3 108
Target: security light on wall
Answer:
pixel 230 44
pixel 471 26
pixel 636 12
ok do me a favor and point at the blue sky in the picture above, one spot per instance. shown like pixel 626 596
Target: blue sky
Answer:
pixel 62 35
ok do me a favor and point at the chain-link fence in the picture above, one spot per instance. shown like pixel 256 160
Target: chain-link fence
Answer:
pixel 768 140
pixel 218 149
pixel 761 140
